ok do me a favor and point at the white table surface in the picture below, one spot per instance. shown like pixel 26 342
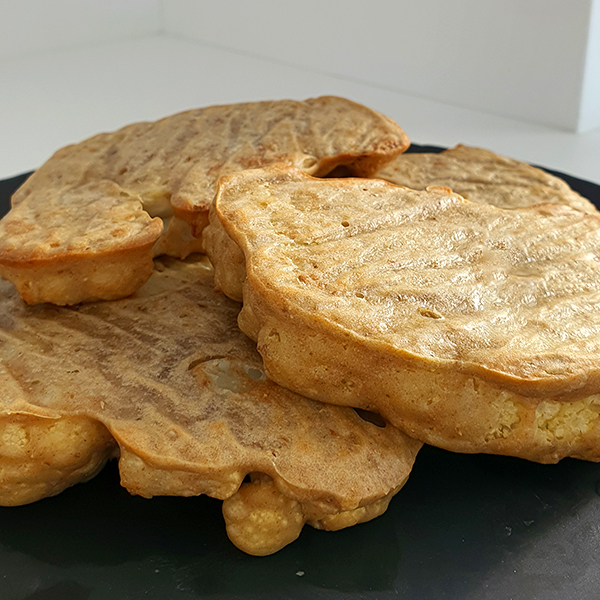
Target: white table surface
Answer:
pixel 65 96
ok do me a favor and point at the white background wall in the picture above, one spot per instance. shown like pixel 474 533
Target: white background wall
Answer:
pixel 536 60
pixel 28 27
pixel 589 114
pixel 521 58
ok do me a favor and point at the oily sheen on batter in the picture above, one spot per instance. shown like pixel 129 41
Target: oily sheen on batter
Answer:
pixel 166 381
pixel 86 225
pixel 471 327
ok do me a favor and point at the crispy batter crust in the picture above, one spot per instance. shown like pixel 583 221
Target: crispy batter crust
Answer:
pixel 472 328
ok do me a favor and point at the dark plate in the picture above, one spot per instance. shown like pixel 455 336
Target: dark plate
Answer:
pixel 463 528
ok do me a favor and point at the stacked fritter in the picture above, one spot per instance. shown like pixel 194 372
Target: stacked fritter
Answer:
pixel 470 327
pixel 385 314
pixel 164 379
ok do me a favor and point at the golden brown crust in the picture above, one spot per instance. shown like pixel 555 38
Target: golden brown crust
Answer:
pixel 95 198
pixel 471 327
pixel 40 457
pixel 183 393
pixel 484 177
pixel 260 520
